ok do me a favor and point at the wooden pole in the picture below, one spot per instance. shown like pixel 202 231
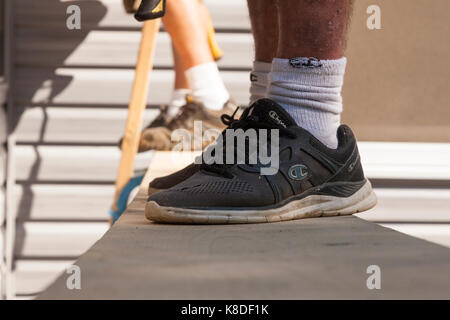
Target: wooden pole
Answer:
pixel 137 106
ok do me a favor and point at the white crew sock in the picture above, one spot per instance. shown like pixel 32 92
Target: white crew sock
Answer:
pixel 177 100
pixel 259 80
pixel 310 91
pixel 207 86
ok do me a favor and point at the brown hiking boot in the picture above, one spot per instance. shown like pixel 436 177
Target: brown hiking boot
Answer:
pixel 159 138
pixel 161 120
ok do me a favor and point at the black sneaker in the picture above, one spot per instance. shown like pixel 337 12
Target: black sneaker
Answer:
pixel 312 180
pixel 166 182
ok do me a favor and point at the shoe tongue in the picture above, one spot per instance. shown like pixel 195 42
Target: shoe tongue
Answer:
pixel 268 111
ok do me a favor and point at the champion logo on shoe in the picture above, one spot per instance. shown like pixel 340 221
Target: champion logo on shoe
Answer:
pixel 353 164
pixel 305 62
pixel 277 119
pixel 298 172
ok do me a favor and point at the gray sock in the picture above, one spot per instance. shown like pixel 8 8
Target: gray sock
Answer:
pixel 310 91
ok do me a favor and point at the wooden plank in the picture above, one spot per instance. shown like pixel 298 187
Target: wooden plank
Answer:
pixel 33 276
pixel 114 49
pixel 74 125
pixel 56 239
pixel 63 202
pixel 304 259
pixel 104 86
pixel 71 163
pixel 136 107
pixel 110 14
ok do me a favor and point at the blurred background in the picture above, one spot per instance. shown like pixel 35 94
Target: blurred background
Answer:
pixel 64 96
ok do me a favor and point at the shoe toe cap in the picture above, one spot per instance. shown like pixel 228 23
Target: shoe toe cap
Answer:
pixel 210 192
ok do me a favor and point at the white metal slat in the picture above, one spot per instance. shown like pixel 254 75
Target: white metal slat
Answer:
pixel 71 163
pixel 56 239
pixel 403 160
pixel 75 86
pixel 63 202
pixel 230 14
pixel 437 232
pixel 114 49
pixel 90 202
pixel 408 205
pixel 74 125
pixel 88 163
pixel 33 276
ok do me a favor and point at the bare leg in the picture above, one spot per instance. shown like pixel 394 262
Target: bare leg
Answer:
pixel 264 21
pixel 194 63
pixel 191 42
pixel 178 66
pixel 312 28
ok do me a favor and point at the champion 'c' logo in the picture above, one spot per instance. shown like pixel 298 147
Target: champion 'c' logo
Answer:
pixel 298 172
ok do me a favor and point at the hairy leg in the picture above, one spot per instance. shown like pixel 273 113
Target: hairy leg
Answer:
pixel 308 72
pixel 264 22
pixel 313 28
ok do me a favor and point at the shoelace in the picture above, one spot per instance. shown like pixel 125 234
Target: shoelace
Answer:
pixel 244 123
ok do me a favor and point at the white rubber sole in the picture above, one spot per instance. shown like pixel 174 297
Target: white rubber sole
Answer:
pixel 309 207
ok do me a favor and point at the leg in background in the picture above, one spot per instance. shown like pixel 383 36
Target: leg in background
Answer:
pixel 216 51
pixel 183 22
pixel 181 86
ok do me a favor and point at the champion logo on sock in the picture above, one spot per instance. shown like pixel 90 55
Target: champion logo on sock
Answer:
pixel 305 62
pixel 253 77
